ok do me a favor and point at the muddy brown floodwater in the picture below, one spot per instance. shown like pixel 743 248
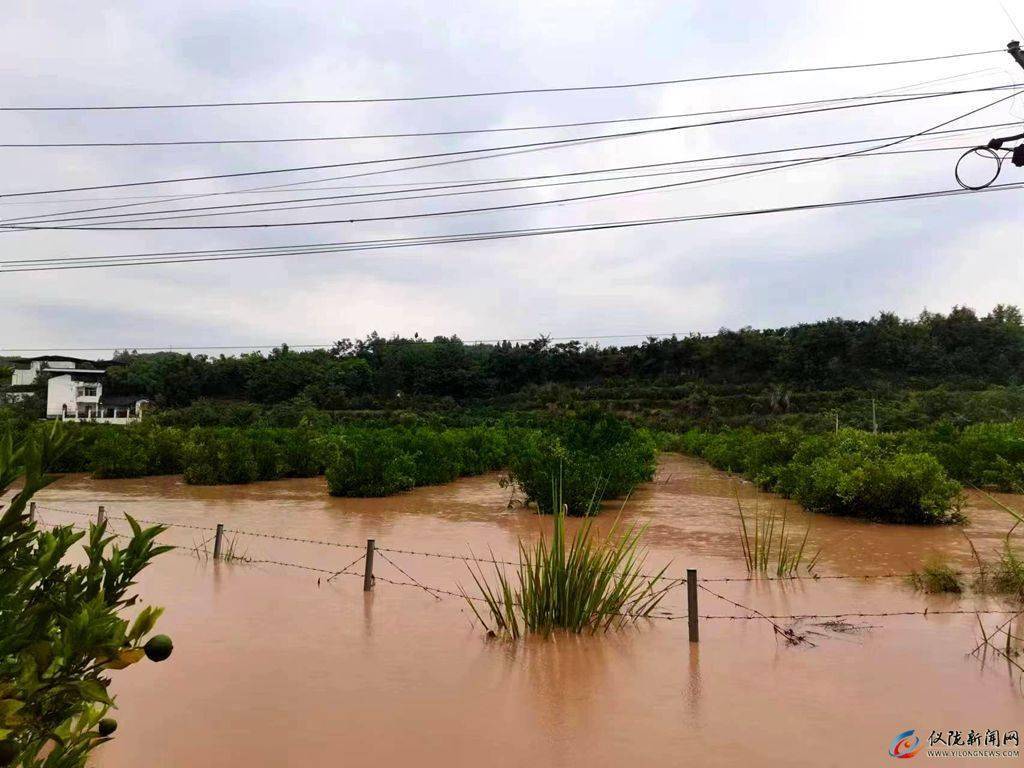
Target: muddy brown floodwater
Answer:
pixel 272 669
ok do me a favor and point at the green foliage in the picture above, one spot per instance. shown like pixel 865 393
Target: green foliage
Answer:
pixel 368 464
pixel 436 455
pixel 267 455
pixel 119 455
pixel 854 473
pixel 594 454
pixel 589 584
pixel 1008 576
pixel 919 370
pixel 902 488
pixel 299 454
pixel 61 629
pixel 937 576
pixel 214 457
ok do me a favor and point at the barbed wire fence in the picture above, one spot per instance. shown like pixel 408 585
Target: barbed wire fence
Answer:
pixel 368 550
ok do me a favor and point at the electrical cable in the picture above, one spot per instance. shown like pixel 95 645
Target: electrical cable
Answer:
pixel 521 91
pixel 357 246
pixel 343 200
pixel 495 208
pixel 464 131
pixel 551 143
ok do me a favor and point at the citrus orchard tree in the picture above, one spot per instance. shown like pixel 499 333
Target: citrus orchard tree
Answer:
pixel 61 626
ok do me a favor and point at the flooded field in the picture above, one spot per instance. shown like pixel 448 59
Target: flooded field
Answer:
pixel 271 668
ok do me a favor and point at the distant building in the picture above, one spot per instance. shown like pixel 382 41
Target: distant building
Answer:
pixel 74 390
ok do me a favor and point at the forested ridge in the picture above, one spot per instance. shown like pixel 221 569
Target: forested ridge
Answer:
pixel 959 348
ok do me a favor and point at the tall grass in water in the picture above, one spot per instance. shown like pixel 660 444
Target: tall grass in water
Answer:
pixel 590 583
pixel 937 576
pixel 765 550
pixel 1007 575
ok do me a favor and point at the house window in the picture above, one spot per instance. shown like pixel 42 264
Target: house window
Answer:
pixel 88 391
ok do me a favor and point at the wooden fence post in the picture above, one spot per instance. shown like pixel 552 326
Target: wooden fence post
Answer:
pixel 31 511
pixel 368 570
pixel 101 515
pixel 691 604
pixel 217 540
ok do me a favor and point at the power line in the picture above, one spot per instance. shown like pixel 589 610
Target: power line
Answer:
pixel 512 92
pixel 374 197
pixel 458 132
pixel 458 184
pixel 495 208
pixel 389 187
pixel 370 245
pixel 551 143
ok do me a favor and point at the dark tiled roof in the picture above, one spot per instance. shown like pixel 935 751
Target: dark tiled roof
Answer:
pixel 61 358
pixel 120 401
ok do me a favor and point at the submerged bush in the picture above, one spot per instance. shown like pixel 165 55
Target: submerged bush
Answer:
pixel 267 455
pixel 368 464
pixel 299 454
pixel 218 457
pixel 904 488
pixel 164 448
pixel 436 455
pixel 887 478
pixel 116 454
pixel 594 455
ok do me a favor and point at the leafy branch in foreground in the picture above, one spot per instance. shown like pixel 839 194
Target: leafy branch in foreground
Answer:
pixel 591 583
pixel 61 629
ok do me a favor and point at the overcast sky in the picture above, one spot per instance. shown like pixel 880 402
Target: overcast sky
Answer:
pixel 698 276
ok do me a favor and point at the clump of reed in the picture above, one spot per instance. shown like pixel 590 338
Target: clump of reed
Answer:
pixel 229 552
pixel 589 583
pixel 1006 575
pixel 768 546
pixel 937 576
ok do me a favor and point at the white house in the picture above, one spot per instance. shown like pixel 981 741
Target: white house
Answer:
pixel 74 390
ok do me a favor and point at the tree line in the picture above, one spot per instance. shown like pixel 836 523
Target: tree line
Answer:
pixel 958 347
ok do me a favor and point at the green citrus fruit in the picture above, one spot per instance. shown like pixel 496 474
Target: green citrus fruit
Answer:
pixel 107 726
pixel 158 648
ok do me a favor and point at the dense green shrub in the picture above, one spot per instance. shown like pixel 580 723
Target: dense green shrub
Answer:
pixel 886 477
pixel 483 449
pixel 116 454
pixel 163 448
pixel 267 454
pixel 369 463
pixel 596 455
pixel 436 455
pixel 213 457
pixel 299 454
pixel 902 488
